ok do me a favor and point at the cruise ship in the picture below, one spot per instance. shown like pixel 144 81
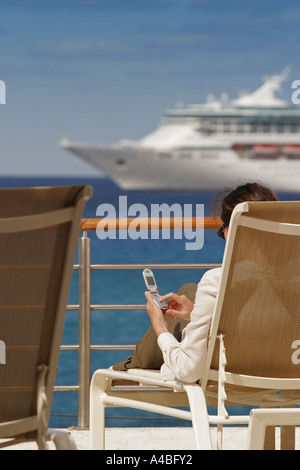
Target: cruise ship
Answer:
pixel 209 146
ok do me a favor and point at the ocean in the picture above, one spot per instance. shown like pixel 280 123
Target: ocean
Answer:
pixel 124 327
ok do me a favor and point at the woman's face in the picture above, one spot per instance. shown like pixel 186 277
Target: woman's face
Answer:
pixel 225 232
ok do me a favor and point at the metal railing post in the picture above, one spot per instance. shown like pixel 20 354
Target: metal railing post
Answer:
pixel 84 366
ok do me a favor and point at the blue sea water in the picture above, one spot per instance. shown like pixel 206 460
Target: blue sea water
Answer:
pixel 123 327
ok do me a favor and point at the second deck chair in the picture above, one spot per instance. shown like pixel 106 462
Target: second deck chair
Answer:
pixel 261 418
pixel 254 332
pixel 38 237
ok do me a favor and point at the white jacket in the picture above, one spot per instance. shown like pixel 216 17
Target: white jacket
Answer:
pixel 185 360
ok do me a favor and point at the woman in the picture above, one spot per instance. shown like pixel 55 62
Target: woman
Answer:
pixel 185 359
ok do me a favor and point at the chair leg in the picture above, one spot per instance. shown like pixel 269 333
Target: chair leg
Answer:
pixel 200 420
pixel 219 436
pixel 62 439
pixel 97 412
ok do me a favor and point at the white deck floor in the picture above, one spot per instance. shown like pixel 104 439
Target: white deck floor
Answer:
pixel 157 439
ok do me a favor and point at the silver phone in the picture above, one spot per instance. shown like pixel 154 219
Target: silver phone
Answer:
pixel 153 289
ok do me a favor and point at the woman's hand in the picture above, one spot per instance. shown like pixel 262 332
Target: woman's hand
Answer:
pixel 156 315
pixel 176 302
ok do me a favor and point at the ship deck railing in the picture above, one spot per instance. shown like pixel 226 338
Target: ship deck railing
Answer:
pixel 85 305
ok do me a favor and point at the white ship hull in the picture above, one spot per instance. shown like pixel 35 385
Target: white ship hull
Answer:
pixel 145 169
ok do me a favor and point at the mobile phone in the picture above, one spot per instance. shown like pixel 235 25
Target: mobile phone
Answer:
pixel 153 289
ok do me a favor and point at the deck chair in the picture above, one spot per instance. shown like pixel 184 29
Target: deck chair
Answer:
pixel 255 326
pixel 38 237
pixel 261 418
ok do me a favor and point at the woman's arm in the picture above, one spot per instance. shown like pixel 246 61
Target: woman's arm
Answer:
pixel 185 360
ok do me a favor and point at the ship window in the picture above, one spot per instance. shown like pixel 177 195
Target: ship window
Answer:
pixel 120 161
pixel 287 128
pixel 293 128
pixel 206 130
pixel 186 155
pixel 266 128
pixel 164 155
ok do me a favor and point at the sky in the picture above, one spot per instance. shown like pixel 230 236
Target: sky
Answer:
pixel 99 71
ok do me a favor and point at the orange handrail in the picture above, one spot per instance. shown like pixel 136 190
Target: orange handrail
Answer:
pixel 149 223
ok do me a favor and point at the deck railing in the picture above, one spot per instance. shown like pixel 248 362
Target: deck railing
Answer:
pixel 85 305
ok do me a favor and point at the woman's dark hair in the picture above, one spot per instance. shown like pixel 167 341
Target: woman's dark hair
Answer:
pixel 247 192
